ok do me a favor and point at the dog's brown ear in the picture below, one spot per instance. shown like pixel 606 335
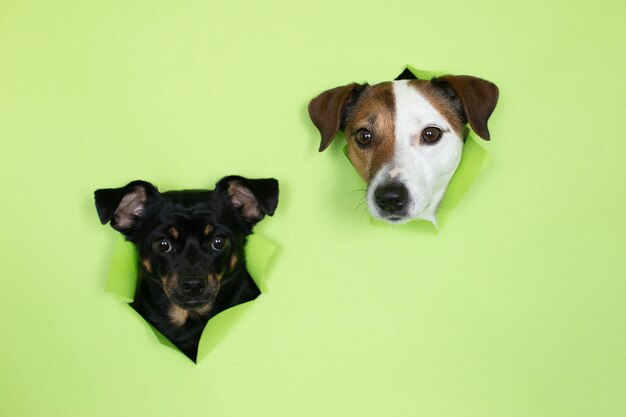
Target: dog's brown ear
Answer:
pixel 124 206
pixel 327 111
pixel 478 98
pixel 253 198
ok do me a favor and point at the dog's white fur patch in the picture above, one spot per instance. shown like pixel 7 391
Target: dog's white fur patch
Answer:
pixel 424 169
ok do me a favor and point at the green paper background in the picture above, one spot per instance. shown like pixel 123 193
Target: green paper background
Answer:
pixel 515 307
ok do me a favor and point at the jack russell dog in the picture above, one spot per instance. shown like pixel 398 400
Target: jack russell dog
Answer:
pixel 405 137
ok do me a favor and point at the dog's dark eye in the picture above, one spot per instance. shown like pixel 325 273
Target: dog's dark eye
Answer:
pixel 219 242
pixel 162 245
pixel 363 136
pixel 431 134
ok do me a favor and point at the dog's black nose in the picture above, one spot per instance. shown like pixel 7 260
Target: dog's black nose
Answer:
pixel 191 287
pixel 391 197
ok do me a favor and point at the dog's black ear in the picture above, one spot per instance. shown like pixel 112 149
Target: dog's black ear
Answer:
pixel 406 75
pixel 327 111
pixel 124 206
pixel 478 98
pixel 254 199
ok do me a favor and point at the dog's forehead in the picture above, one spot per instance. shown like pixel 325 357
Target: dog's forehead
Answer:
pixel 187 197
pixel 375 100
pixel 413 101
pixel 420 98
pixel 192 208
pixel 424 101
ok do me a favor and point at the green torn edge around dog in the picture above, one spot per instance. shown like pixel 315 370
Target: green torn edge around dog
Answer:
pixel 124 275
pixel 473 160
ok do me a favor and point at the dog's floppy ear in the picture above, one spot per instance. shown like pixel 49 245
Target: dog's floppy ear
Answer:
pixel 253 198
pixel 327 111
pixel 124 206
pixel 478 98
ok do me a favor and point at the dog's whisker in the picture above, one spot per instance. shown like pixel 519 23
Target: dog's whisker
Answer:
pixel 358 190
pixel 361 202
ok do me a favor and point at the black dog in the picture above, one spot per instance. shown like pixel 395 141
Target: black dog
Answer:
pixel 191 249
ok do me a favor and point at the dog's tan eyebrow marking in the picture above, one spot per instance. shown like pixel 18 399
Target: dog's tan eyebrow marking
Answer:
pixel 207 229
pixel 146 264
pixel 177 315
pixel 173 232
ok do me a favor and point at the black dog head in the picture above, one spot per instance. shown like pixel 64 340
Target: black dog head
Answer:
pixel 190 242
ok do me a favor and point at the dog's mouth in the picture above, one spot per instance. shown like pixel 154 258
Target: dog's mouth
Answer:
pixel 193 304
pixel 395 219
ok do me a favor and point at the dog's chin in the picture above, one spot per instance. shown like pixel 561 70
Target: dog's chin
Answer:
pixel 393 218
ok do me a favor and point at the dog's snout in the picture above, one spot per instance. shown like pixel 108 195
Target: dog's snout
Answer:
pixel 391 197
pixel 193 286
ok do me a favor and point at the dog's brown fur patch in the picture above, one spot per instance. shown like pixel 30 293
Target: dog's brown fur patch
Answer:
pixel 374 111
pixel 146 264
pixel 444 106
pixel 207 229
pixel 173 232
pixel 177 315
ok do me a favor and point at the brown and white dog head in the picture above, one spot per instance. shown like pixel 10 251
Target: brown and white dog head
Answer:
pixel 405 137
